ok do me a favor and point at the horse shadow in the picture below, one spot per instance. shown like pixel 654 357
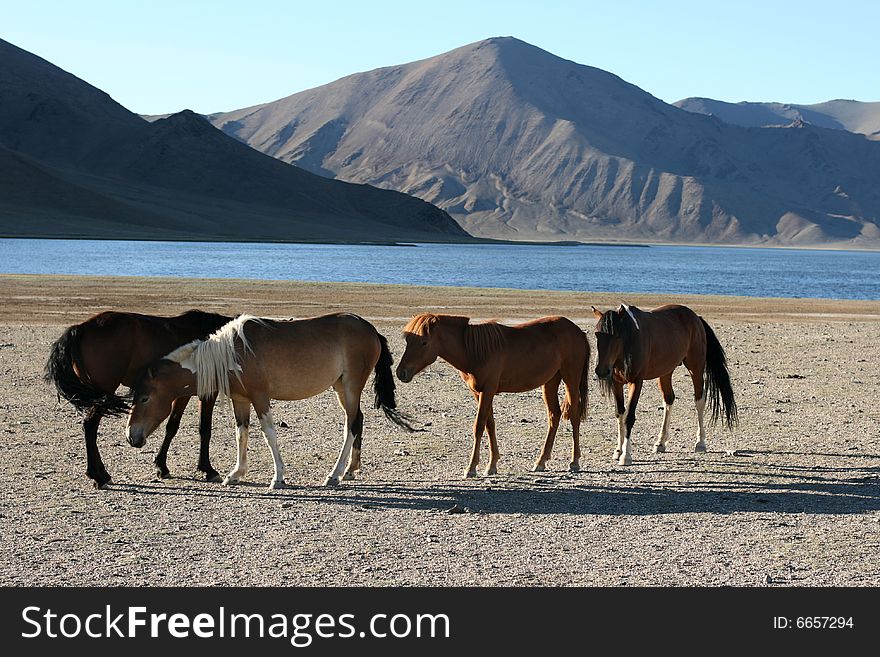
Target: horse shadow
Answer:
pixel 853 491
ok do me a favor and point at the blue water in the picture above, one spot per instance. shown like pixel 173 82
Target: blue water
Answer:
pixel 658 269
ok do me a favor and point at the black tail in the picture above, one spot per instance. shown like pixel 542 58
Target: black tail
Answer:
pixel 583 388
pixel 75 389
pixel 718 380
pixel 383 385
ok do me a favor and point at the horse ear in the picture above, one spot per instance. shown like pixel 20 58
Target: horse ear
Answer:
pixel 597 312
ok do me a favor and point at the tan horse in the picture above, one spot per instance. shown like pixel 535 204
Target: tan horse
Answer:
pixel 493 358
pixel 277 359
pixel 635 345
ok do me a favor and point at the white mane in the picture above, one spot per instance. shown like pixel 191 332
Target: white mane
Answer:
pixel 629 311
pixel 213 359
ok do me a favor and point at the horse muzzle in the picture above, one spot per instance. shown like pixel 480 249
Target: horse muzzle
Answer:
pixel 136 436
pixel 604 374
pixel 405 374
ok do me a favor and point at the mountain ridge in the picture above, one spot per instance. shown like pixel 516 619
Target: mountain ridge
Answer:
pixel 76 163
pixel 518 143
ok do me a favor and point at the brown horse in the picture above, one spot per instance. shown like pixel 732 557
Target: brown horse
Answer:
pixel 493 358
pixel 635 345
pixel 90 360
pixel 277 359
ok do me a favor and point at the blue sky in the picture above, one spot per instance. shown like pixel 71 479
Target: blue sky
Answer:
pixel 163 56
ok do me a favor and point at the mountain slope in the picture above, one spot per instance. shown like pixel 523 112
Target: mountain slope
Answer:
pixel 73 162
pixel 518 143
pixel 851 115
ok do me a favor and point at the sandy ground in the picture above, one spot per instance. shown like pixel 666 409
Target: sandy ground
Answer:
pixel 790 497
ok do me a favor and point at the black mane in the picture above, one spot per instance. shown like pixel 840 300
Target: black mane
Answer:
pixel 619 324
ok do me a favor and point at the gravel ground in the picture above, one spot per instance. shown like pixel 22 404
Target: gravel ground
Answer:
pixel 791 497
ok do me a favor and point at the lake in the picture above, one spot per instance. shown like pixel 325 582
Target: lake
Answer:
pixel 655 269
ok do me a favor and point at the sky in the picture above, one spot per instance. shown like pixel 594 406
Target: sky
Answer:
pixel 166 55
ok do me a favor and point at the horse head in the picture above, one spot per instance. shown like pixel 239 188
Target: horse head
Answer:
pixel 153 395
pixel 422 346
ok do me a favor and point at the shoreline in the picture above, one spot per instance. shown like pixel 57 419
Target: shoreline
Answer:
pixel 474 240
pixel 44 299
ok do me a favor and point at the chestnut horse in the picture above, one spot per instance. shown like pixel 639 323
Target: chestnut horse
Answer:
pixel 635 345
pixel 493 358
pixel 90 361
pixel 277 359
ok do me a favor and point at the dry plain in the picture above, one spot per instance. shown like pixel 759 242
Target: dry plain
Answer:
pixel 791 497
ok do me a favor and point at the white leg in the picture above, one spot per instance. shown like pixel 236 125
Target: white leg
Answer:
pixel 626 457
pixel 240 469
pixel 621 435
pixel 347 441
pixel 268 427
pixel 701 431
pixel 660 445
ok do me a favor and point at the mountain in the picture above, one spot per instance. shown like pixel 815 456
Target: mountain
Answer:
pixel 852 115
pixel 517 143
pixel 75 163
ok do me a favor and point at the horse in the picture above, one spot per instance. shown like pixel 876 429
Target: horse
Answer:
pixel 635 345
pixel 89 361
pixel 276 359
pixel 493 358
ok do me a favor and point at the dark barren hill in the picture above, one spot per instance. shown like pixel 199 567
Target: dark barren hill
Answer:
pixel 852 115
pixel 73 162
pixel 517 143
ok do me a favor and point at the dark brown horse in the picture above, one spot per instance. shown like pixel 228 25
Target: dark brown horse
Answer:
pixel 90 360
pixel 635 345
pixel 493 358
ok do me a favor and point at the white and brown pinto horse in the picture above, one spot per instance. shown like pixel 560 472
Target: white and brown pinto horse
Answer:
pixel 635 345
pixel 274 359
pixel 493 358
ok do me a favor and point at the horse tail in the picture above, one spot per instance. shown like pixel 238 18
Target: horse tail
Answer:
pixel 383 386
pixel 583 388
pixel 718 381
pixel 61 368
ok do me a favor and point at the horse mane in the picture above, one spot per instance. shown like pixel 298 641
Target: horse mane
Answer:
pixel 622 324
pixel 480 340
pixel 214 358
pixel 483 340
pixel 421 324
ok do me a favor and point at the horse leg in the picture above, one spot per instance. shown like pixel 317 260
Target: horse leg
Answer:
pixel 494 456
pixel 171 427
pixel 242 412
pixel 94 466
pixel 354 461
pixel 620 410
pixel 572 388
pixel 700 403
pixel 484 410
pixel 350 400
pixel 267 424
pixel 206 414
pixel 549 392
pixel 665 383
pixel 635 389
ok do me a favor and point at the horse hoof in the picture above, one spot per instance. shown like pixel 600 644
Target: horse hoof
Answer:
pixel 162 473
pixel 348 476
pixel 490 471
pixel 470 474
pixel 277 485
pixel 574 466
pixel 700 447
pixel 211 475
pixel 331 481
pixel 617 454
pixel 659 449
pixel 625 460
pixel 229 481
pixel 539 467
pixel 101 481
